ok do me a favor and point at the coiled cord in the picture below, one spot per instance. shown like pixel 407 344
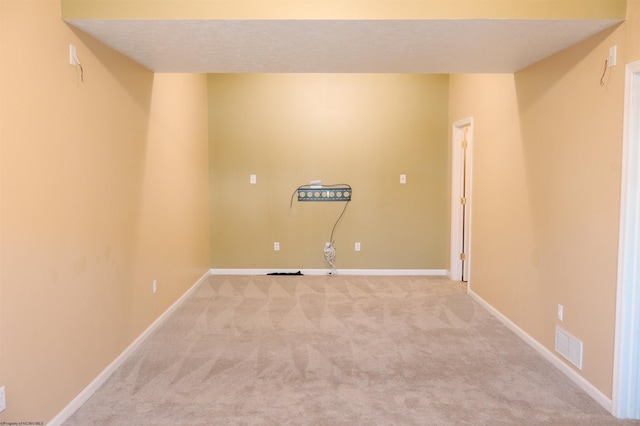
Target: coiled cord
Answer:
pixel 329 258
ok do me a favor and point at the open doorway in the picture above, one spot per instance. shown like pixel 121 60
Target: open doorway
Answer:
pixel 626 374
pixel 461 155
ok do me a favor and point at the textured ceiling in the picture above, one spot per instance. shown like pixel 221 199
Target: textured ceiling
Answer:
pixel 339 46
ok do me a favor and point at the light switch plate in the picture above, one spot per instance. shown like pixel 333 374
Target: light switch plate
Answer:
pixel 73 57
pixel 613 54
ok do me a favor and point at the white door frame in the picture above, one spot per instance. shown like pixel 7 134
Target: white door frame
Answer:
pixel 626 371
pixel 457 134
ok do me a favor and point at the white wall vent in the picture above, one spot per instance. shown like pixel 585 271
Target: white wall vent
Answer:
pixel 569 347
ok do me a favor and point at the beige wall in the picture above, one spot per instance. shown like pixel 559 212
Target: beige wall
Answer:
pixel 344 9
pixel 632 41
pixel 363 130
pixel 101 194
pixel 546 182
pixel 1 184
pixel 172 244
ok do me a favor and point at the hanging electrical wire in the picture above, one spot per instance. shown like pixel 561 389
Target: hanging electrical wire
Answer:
pixel 604 72
pixel 329 251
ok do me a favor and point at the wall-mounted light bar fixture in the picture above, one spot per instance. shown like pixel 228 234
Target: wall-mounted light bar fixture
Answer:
pixel 333 193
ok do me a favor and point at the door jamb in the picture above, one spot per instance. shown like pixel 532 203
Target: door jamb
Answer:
pixel 455 270
pixel 626 369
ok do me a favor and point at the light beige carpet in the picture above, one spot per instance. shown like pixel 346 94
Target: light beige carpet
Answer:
pixel 336 350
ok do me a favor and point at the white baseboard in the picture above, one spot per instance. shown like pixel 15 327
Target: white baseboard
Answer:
pixel 582 383
pixel 408 272
pixel 111 368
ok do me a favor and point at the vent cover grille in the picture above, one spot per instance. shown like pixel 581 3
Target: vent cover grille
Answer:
pixel 569 347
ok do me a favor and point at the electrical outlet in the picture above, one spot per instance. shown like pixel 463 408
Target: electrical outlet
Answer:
pixel 252 179
pixel 403 179
pixel 560 312
pixel 154 286
pixel 276 246
pixel 357 247
pixel 3 401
